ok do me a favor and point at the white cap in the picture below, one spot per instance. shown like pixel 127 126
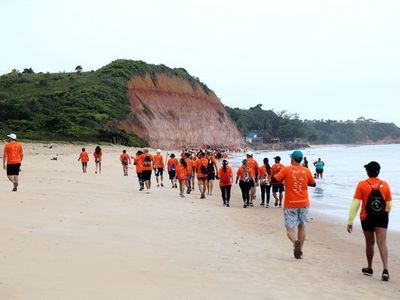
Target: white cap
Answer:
pixel 12 136
pixel 249 153
pixel 158 150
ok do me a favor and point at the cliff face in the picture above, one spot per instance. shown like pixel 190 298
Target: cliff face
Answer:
pixel 172 112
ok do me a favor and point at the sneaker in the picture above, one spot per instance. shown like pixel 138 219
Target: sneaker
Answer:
pixel 367 271
pixel 251 204
pixel 276 202
pixel 15 187
pixel 147 192
pixel 227 205
pixel 385 275
pixel 266 205
pixel 158 185
pixel 162 185
pixel 141 189
pixel 176 186
pixel 297 251
pixel 202 196
pixel 182 195
pixel 244 205
pixel 262 204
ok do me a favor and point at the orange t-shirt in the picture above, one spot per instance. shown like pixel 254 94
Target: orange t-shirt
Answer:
pixel 144 166
pixel 181 172
pixel 199 162
pixel 189 163
pixel 84 157
pixel 252 163
pixel 138 163
pixel 264 174
pixel 364 189
pixel 297 179
pixel 227 174
pixel 13 152
pixel 240 173
pixel 171 162
pixel 124 157
pixel 97 156
pixel 275 170
pixel 158 161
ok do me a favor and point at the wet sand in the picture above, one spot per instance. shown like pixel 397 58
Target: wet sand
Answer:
pixel 68 235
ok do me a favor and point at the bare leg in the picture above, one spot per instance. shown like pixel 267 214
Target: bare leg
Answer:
pixel 301 235
pixel 369 246
pixel 381 242
pixel 211 185
pixel 280 199
pixel 291 234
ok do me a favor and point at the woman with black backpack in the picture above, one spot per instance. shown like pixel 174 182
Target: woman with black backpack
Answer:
pixel 225 175
pixel 212 169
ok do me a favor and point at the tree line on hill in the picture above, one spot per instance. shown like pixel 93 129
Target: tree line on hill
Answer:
pixel 283 126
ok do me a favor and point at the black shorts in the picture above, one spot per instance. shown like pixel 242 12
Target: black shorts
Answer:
pixel 13 169
pixel 278 188
pixel 84 164
pixel 319 171
pixel 370 222
pixel 211 176
pixel 158 171
pixel 146 175
pixel 172 175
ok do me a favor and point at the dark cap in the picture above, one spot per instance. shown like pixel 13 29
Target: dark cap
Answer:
pixel 373 167
pixel 277 158
pixel 172 155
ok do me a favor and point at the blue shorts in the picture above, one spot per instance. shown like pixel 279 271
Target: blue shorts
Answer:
pixel 295 216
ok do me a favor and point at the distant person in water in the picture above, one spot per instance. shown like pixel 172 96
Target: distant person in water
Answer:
pixel 319 167
pixel 277 186
pixel 125 161
pixel 305 162
pixel 12 159
pixel 376 201
pixel 265 182
pixel 98 156
pixel 297 179
pixel 84 158
pixel 159 167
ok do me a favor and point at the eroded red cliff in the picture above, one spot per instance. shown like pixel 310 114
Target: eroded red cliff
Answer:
pixel 171 112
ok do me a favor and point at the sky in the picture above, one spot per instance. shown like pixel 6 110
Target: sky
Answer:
pixel 321 59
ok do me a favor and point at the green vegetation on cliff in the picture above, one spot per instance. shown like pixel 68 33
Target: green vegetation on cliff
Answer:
pixel 75 106
pixel 288 127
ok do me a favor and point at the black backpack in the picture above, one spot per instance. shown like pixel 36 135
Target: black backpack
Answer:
pixel 147 161
pixel 210 166
pixel 376 204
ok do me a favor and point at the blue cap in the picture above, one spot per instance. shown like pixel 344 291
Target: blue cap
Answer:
pixel 297 155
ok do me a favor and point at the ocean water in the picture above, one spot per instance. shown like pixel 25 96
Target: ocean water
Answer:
pixel 343 170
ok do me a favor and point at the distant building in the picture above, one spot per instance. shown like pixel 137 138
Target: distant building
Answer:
pixel 254 137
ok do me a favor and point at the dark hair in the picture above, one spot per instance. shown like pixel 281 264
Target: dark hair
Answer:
pixel 224 164
pixel 183 162
pixel 97 150
pixel 123 151
pixel 83 149
pixel 140 152
pixel 244 161
pixel 266 163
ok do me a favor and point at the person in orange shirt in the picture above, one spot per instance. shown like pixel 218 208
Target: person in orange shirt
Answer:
pixel 98 156
pixel 212 169
pixel 193 156
pixel 201 168
pixel 189 168
pixel 297 180
pixel 277 187
pixel 253 164
pixel 245 177
pixel 225 175
pixel 181 176
pixel 265 182
pixel 376 201
pixel 159 167
pixel 12 159
pixel 84 158
pixel 172 164
pixel 125 161
pixel 147 168
pixel 137 161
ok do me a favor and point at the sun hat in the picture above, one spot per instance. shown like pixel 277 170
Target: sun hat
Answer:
pixel 249 153
pixel 158 151
pixel 12 136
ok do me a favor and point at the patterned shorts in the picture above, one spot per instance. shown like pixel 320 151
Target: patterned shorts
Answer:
pixel 295 216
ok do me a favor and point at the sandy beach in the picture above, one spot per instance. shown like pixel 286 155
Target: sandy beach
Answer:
pixel 69 235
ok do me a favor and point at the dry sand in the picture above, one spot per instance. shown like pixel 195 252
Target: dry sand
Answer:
pixel 68 235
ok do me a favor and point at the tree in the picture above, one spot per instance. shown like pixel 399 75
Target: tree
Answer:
pixel 78 69
pixel 28 71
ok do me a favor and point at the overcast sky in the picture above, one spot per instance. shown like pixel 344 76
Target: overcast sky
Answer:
pixel 322 59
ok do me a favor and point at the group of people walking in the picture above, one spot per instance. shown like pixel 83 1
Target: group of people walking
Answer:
pixel 372 194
